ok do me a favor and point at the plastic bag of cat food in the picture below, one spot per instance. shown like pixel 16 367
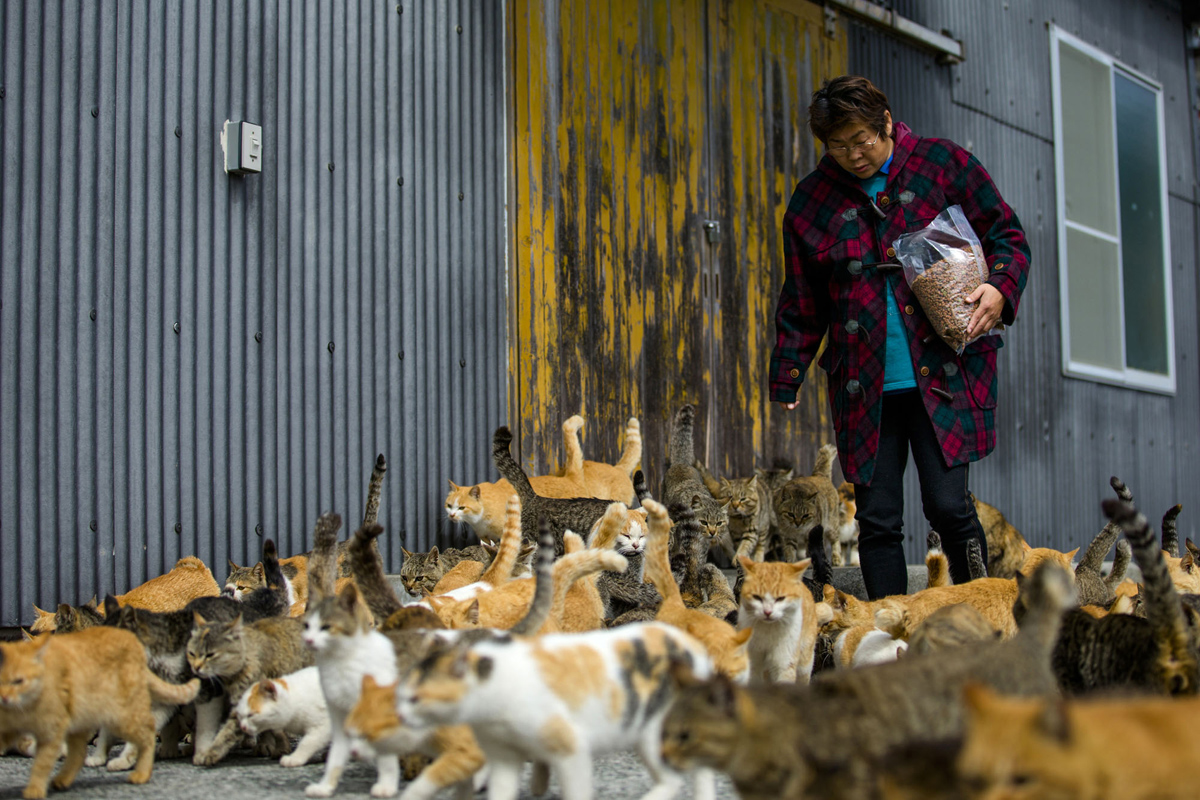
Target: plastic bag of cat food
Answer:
pixel 943 263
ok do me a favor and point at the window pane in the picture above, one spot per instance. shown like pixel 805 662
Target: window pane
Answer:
pixel 1094 303
pixel 1087 144
pixel 1142 252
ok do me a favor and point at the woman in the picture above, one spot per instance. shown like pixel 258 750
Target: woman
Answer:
pixel 894 385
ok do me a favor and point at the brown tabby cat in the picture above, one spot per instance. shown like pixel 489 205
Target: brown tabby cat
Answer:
pixel 1081 749
pixel 1005 544
pixel 63 687
pixel 805 502
pixel 683 487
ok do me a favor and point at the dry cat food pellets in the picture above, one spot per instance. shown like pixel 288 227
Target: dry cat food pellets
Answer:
pixel 943 289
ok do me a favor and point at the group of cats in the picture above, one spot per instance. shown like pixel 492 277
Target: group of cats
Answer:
pixel 582 627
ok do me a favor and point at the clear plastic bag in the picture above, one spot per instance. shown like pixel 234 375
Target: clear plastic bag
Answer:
pixel 943 263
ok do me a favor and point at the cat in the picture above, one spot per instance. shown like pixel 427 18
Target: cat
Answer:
pixel 422 573
pixel 62 687
pixel 563 514
pixel 244 579
pixel 684 487
pixel 1157 653
pixel 1185 570
pixel 1079 749
pixel 1005 544
pixel 1091 585
pixel 626 590
pixel 749 509
pixel 560 699
pixel 950 626
pixel 292 704
pixel 70 618
pixel 805 502
pixel 937 565
pixel 866 645
pixel 848 524
pixel 779 609
pixel 822 740
pixel 725 644
pixel 607 481
pixel 186 581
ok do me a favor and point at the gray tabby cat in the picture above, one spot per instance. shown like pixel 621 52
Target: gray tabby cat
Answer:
pixel 622 592
pixel 1092 586
pixel 569 514
pixel 749 510
pixel 683 486
pixel 420 572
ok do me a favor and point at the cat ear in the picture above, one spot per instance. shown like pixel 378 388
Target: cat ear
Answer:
pixel 475 492
pixel 1187 563
pixel 112 608
pixel 830 593
pixel 1071 555
pixel 197 619
pixel 92 604
pixel 747 563
pixel 433 554
pixel 801 566
pixel 454 487
pixel 1053 720
pixel 473 613
pixel 406 553
pixel 43 614
pixel 824 614
pixel 268 689
pixel 260 571
pixel 232 566
pixel 696 501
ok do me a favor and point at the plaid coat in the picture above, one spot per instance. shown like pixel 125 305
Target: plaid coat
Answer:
pixel 833 243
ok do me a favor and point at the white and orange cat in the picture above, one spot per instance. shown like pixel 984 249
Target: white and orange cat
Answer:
pixel 63 687
pixel 293 704
pixel 781 612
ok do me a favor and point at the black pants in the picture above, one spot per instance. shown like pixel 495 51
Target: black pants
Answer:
pixel 944 499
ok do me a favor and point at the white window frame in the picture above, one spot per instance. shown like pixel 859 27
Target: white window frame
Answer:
pixel 1127 377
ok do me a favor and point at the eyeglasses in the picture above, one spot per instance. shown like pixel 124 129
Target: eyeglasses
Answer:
pixel 858 147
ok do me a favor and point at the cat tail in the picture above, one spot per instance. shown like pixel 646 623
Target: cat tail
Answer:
pixel 1164 610
pixel 609 527
pixel 367 568
pixel 374 491
pixel 825 459
pixel 682 450
pixel 822 566
pixel 576 565
pixel 657 561
pixel 937 566
pixel 573 466
pixel 1120 565
pixel 713 485
pixel 322 562
pixel 1093 557
pixel 631 453
pixel 509 469
pixel 499 572
pixel 640 488
pixel 272 572
pixel 175 694
pixel 1170 530
pixel 976 566
pixel 543 592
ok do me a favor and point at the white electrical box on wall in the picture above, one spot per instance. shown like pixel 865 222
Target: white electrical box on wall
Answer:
pixel 243 145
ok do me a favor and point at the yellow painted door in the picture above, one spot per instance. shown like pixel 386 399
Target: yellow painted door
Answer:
pixel 655 144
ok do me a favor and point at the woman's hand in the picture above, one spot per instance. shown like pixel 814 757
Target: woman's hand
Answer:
pixel 987 314
pixel 791 405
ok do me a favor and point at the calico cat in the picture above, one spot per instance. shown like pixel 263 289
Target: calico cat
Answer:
pixel 63 687
pixel 848 524
pixel 823 740
pixel 563 514
pixel 805 502
pixel 1005 544
pixel 186 581
pixel 559 699
pixel 1157 653
pixel 1080 749
pixel 779 609
pixel 292 704
pixel 725 644
pixel 683 486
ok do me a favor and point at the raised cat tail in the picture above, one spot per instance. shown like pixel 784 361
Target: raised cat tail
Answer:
pixel 1093 557
pixel 543 592
pixel 1120 565
pixel 573 465
pixel 682 449
pixel 573 566
pixel 322 562
pixel 1164 611
pixel 367 568
pixel 976 566
pixel 499 572
pixel 825 458
pixel 175 694
pixel 822 566
pixel 374 491
pixel 1170 530
pixel 640 488
pixel 272 572
pixel 631 453
pixel 657 562
pixel 609 527
pixel 509 469
pixel 937 566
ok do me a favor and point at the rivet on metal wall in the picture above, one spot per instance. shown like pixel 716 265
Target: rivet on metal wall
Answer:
pixel 258 336
pixel 1 92
pixel 95 111
pixel 330 165
pixel 460 196
pixel 462 363
pixel 399 9
pixel 258 529
pixel 178 527
pixel 178 132
pixel 331 347
pixel 175 327
pixel 400 181
pixel 401 355
pixel 92 315
pixel 93 525
pixel 459 29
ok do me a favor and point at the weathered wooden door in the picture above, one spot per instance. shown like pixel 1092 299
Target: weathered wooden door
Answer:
pixel 655 146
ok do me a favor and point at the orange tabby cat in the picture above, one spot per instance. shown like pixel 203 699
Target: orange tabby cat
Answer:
pixel 779 609
pixel 725 644
pixel 1080 749
pixel 186 581
pixel 64 687
pixel 608 481
pixel 456 754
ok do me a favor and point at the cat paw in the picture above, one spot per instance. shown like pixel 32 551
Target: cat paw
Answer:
pixel 383 789
pixel 412 764
pixel 206 759
pixel 121 763
pixel 96 760
pixel 318 790
pixel 59 784
pixel 292 760
pixel 34 793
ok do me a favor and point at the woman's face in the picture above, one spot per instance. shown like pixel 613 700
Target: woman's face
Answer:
pixel 860 149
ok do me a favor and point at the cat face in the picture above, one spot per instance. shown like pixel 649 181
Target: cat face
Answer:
pixel 433 691
pixel 742 496
pixel 244 580
pixel 374 716
pixel 464 504
pixel 216 648
pixel 261 707
pixel 327 624
pixel 1009 742
pixel 420 572
pixel 21 673
pixel 702 729
pixel 632 538
pixel 773 591
pixel 456 614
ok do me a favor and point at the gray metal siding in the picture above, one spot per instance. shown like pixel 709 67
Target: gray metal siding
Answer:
pixel 1059 439
pixel 349 300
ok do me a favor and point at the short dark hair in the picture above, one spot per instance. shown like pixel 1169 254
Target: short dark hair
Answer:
pixel 843 101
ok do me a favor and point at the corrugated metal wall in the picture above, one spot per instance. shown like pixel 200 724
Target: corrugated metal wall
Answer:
pixel 1059 438
pixel 637 122
pixel 187 357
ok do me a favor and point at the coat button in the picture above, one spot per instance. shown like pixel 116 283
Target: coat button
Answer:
pixel 951 370
pixel 924 372
pixel 998 265
pixel 853 386
pixel 908 310
pixel 854 267
pixel 883 201
pixel 852 327
pixel 795 373
pixel 891 252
